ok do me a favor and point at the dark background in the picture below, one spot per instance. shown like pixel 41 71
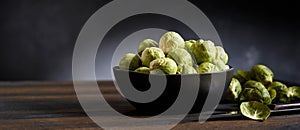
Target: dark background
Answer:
pixel 37 36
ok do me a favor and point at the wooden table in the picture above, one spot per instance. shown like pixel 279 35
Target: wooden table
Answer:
pixel 54 105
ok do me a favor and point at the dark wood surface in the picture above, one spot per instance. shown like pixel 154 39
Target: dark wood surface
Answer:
pixel 54 105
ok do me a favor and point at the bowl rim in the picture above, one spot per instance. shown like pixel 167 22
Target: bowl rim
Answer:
pixel 209 73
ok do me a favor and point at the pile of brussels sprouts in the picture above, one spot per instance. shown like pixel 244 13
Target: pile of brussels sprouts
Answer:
pixel 255 89
pixel 174 55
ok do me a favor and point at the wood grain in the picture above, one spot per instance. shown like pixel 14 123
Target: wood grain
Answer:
pixel 54 105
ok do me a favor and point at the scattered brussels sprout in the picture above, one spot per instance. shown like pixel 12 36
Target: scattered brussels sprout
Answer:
pixel 207 67
pixel 243 76
pixel 144 70
pixel 221 54
pixel 181 57
pixel 129 62
pixel 239 78
pixel 186 69
pixel 278 86
pixel 251 94
pixel 189 43
pixel 170 41
pixel 294 91
pixel 150 54
pixel 234 90
pixel 204 51
pixel 272 93
pixel 261 88
pixel 255 110
pixel 262 74
pixel 147 43
pixel 167 65
pixel 255 96
pixel 282 92
pixel 283 99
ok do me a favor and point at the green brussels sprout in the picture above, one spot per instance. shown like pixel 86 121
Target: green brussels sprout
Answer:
pixel 167 65
pixel 204 51
pixel 294 91
pixel 262 74
pixel 272 93
pixel 282 92
pixel 189 43
pixel 261 88
pixel 144 70
pixel 170 41
pixel 255 110
pixel 278 86
pixel 220 65
pixel 234 90
pixel 243 76
pixel 130 62
pixel 181 57
pixel 239 78
pixel 207 67
pixel 221 54
pixel 150 54
pixel 147 43
pixel 186 69
pixel 251 94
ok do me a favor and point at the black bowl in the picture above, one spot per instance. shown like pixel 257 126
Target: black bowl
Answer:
pixel 209 82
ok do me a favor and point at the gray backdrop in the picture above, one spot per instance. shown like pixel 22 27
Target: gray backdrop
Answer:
pixel 38 36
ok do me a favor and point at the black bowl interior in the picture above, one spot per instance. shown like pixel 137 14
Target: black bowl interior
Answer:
pixel 173 83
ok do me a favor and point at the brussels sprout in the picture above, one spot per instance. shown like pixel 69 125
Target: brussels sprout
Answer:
pixel 204 51
pixel 294 91
pixel 147 43
pixel 221 54
pixel 251 94
pixel 170 41
pixel 282 92
pixel 181 57
pixel 220 65
pixel 207 67
pixel 234 90
pixel 262 74
pixel 130 62
pixel 272 93
pixel 189 43
pixel 239 78
pixel 255 110
pixel 261 88
pixel 278 86
pixel 150 54
pixel 167 65
pixel 186 69
pixel 243 76
pixel 144 70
